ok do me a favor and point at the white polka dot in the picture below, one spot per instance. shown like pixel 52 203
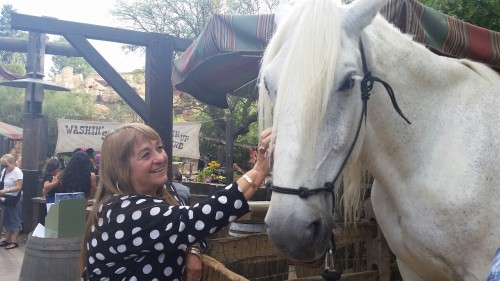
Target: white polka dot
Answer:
pixel 97 271
pixel 99 256
pixel 213 229
pixel 154 234
pixel 140 201
pixel 168 212
pixel 199 225
pixel 182 247
pixel 137 241
pixel 158 201
pixel 88 246
pixel 159 246
pixel 154 211
pixel 100 208
pixel 100 222
pixel 161 258
pixel 168 271
pixel 136 215
pixel 135 230
pixel 122 248
pixel 155 279
pixel 206 209
pixel 232 218
pixel 120 270
pixel 147 269
pixel 120 218
pixel 94 242
pixel 104 236
pixel 222 199
pixel 108 214
pixel 169 226
pixel 124 197
pixel 219 215
pixel 191 238
pixel 228 187
pixel 91 260
pixel 182 226
pixel 92 229
pixel 119 234
pixel 238 203
pixel 125 203
pixel 133 278
pixel 172 238
pixel 111 264
pixel 190 214
pixel 112 250
pixel 180 260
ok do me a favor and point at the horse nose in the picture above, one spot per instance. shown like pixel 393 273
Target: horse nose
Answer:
pixel 298 236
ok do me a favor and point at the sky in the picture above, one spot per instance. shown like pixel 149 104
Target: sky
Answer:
pixel 84 11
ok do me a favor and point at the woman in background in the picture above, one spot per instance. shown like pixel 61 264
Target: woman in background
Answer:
pixel 51 180
pixel 13 181
pixel 78 175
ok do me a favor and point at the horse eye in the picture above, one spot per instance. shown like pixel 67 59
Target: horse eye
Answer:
pixel 347 84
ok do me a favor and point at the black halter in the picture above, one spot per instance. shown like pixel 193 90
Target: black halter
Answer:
pixel 366 88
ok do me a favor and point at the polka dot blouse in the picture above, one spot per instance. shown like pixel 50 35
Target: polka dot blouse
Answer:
pixel 138 237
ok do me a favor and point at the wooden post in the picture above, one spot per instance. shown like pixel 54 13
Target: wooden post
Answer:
pixel 229 150
pixel 377 249
pixel 34 129
pixel 159 90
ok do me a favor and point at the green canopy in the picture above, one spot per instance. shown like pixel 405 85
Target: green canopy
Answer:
pixel 227 54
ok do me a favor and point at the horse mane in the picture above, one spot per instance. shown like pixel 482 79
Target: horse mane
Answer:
pixel 308 77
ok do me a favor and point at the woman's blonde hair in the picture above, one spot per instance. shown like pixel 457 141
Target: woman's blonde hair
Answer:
pixel 8 160
pixel 115 170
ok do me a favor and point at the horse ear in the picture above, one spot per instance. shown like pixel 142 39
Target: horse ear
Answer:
pixel 282 10
pixel 360 13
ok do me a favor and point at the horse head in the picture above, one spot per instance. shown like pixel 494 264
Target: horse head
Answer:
pixel 310 84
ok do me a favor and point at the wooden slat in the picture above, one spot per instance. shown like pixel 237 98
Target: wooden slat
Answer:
pixel 233 249
pixel 358 276
pixel 213 270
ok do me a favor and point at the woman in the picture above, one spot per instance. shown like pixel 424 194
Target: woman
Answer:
pixel 78 175
pixel 51 180
pixel 13 181
pixel 136 230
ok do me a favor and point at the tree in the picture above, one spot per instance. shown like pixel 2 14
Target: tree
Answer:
pixel 484 13
pixel 79 64
pixel 9 59
pixel 186 19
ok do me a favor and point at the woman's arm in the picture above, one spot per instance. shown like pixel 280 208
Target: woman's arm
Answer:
pixel 48 186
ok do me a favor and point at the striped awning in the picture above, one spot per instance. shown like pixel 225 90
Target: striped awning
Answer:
pixel 10 131
pixel 226 55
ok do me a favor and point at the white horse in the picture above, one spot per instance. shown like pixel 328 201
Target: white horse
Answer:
pixel 436 194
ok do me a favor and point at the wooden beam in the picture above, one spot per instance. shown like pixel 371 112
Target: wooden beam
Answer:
pixel 51 48
pixel 113 78
pixel 112 34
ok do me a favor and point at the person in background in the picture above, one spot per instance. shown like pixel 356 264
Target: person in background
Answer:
pixel 182 190
pixel 13 182
pixel 97 162
pixel 495 268
pixel 137 230
pixel 51 180
pixel 78 175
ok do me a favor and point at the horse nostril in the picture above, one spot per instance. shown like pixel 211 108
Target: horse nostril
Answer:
pixel 315 228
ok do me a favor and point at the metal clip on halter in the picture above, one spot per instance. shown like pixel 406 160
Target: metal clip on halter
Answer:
pixel 330 274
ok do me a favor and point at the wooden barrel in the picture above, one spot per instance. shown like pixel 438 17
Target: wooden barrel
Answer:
pixel 48 259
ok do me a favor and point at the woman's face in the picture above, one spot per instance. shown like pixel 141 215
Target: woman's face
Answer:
pixel 148 166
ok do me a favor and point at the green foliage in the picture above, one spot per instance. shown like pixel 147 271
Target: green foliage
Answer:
pixel 6 31
pixel 11 105
pixel 79 64
pixel 484 13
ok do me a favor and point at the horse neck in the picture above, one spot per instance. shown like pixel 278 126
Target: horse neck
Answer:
pixel 389 146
